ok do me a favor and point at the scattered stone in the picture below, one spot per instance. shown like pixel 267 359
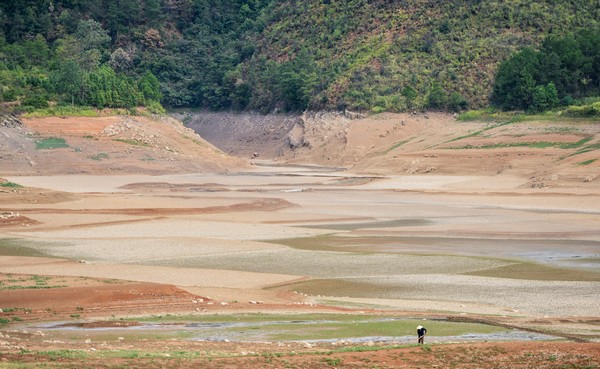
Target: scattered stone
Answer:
pixel 10 121
pixel 306 345
pixel 588 178
pixel 88 341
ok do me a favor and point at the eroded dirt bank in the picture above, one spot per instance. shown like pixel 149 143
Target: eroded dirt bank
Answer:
pixel 547 154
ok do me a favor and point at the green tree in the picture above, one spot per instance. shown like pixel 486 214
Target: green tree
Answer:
pixel 149 86
pixel 68 80
pixel 544 98
pixel 514 83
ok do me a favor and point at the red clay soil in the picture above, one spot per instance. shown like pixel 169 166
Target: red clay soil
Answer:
pixel 35 298
pixel 249 356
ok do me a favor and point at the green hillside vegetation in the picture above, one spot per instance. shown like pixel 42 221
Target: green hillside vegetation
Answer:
pixel 562 70
pixel 289 55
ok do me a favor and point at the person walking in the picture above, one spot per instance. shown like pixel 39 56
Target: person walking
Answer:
pixel 421 331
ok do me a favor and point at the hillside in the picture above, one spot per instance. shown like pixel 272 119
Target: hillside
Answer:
pixel 267 55
pixel 105 145
pixel 531 154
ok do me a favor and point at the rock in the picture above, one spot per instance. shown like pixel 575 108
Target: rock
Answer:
pixel 306 345
pixel 88 341
pixel 10 121
pixel 588 178
pixel 352 115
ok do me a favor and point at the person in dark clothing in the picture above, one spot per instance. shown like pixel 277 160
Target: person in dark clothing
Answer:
pixel 421 331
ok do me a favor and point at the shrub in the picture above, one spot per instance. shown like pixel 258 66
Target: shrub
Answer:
pixel 35 101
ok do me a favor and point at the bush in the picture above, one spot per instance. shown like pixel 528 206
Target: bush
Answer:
pixel 457 103
pixel 586 111
pixel 9 95
pixel 155 107
pixel 35 101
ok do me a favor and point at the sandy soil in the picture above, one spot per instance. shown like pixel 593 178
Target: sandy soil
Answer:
pixel 199 232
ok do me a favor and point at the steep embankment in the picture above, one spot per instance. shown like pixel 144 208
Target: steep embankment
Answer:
pixel 535 153
pixel 106 145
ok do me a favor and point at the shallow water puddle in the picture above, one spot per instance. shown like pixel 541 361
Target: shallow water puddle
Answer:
pixel 334 329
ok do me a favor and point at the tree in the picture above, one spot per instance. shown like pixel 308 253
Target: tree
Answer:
pixel 68 81
pixel 544 98
pixel 120 60
pixel 514 83
pixel 92 36
pixel 149 87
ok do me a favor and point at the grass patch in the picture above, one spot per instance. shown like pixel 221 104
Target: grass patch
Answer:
pixel 588 148
pixel 577 144
pixel 10 185
pixel 50 143
pixel 537 272
pixel 480 115
pixel 9 288
pixel 99 156
pixel 64 111
pixel 480 132
pixel 16 247
pixel 132 142
pixel 572 113
pixel 147 158
pixel 587 162
pixel 532 144
pixel 66 354
pixel 395 146
pixel 590 111
pixel 197 142
pixel 300 327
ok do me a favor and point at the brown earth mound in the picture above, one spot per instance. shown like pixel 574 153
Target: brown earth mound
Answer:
pixel 107 145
